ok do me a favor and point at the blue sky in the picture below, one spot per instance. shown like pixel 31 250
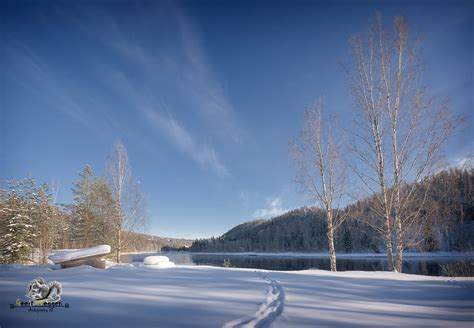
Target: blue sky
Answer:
pixel 205 95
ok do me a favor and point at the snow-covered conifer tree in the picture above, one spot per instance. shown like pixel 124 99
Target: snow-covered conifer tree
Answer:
pixel 17 243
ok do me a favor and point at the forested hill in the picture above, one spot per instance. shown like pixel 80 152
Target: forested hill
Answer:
pixel 302 229
pixel 449 226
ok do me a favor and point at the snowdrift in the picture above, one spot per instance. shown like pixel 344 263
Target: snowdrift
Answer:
pixel 161 262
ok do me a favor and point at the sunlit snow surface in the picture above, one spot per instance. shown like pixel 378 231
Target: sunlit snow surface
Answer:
pixel 193 296
pixel 159 262
pixel 79 253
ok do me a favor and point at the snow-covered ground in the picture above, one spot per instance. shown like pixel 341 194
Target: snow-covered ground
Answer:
pixel 133 295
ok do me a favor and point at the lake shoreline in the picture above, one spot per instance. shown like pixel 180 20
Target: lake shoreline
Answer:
pixel 339 255
pixel 422 264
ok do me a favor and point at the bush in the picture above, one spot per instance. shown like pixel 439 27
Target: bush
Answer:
pixel 464 268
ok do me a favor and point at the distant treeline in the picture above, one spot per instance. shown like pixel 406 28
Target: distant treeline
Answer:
pixel 148 243
pixel 447 214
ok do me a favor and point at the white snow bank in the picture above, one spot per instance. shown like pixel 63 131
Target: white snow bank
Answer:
pixel 152 260
pixel 80 253
pixel 162 265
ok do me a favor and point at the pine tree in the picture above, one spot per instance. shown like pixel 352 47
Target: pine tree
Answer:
pixel 83 220
pixel 43 215
pixel 17 243
pixel 104 211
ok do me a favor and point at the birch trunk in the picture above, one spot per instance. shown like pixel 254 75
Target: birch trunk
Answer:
pixel 119 245
pixel 332 251
pixel 399 231
pixel 131 213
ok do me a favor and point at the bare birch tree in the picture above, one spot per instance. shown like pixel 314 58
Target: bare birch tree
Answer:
pixel 399 129
pixel 369 135
pixel 321 170
pixel 129 201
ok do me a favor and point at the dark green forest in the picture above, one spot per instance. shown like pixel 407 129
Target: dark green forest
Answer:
pixel 446 224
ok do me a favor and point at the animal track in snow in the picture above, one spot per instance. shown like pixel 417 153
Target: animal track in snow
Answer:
pixel 268 311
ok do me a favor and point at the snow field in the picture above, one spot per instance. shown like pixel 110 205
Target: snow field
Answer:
pixel 128 295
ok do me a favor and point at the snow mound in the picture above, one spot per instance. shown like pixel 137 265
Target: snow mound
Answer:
pixel 80 253
pixel 162 265
pixel 153 260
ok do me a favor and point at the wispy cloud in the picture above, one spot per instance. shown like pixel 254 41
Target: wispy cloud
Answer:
pixel 183 66
pixel 273 207
pixel 31 72
pixel 176 133
pixel 154 113
pixel 170 81
pixel 207 92
pixel 168 85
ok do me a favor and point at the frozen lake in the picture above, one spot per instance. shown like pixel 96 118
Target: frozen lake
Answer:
pixel 423 265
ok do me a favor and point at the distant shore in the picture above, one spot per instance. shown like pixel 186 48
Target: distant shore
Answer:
pixel 339 255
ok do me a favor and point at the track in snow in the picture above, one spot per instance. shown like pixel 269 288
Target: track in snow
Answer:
pixel 268 311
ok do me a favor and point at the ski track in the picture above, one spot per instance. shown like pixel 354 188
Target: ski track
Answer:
pixel 268 311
